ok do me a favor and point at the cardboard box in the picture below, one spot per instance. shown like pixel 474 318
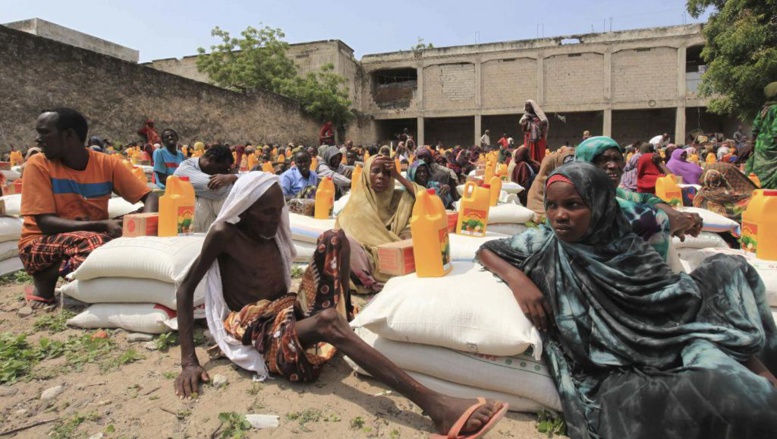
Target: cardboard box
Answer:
pixel 2 207
pixel 396 258
pixel 12 189
pixel 141 224
pixel 144 163
pixel 453 219
pixel 5 166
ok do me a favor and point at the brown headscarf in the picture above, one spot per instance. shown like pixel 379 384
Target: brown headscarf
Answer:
pixel 725 190
pixel 374 218
pixel 536 198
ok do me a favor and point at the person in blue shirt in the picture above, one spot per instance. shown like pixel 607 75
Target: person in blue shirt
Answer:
pixel 299 177
pixel 167 158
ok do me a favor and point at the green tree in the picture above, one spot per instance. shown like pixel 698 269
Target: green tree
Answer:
pixel 741 53
pixel 420 45
pixel 256 61
pixel 323 95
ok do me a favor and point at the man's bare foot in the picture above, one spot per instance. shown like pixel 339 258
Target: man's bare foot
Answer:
pixel 450 409
pixel 36 301
pixel 41 294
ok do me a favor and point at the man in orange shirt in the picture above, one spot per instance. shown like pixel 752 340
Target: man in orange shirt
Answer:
pixel 65 195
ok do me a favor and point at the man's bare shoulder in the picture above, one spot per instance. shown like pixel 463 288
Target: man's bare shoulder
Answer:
pixel 222 230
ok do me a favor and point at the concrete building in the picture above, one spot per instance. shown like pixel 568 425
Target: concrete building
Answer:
pixel 46 29
pixel 631 85
pixel 309 57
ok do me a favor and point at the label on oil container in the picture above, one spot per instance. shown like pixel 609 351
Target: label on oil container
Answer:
pixel 749 237
pixel 473 222
pixel 445 248
pixel 185 220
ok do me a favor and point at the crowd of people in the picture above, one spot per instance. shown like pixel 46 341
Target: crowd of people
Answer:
pixel 635 349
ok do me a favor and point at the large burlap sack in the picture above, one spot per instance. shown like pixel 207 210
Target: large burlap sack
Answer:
pixel 8 249
pixel 10 265
pixel 10 229
pixel 118 206
pixel 463 248
pixel 507 229
pixel 145 257
pixel 517 403
pixel 307 229
pixel 704 240
pixel 13 204
pixel 714 222
pixel 134 317
pixel 305 251
pixel 507 213
pixel 519 375
pixel 11 175
pixel 766 269
pixel 128 290
pixel 468 310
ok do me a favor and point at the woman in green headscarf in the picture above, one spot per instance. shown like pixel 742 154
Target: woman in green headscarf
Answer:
pixel 635 350
pixel 764 159
pixel 650 217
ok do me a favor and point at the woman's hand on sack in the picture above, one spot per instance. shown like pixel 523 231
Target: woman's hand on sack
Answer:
pixel 533 304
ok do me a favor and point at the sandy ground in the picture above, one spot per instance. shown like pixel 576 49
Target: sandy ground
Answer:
pixel 136 400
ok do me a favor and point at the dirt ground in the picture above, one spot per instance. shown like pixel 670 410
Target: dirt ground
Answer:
pixel 103 398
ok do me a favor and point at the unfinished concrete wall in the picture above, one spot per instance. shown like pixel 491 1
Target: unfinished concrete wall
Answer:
pixel 645 74
pixel 52 31
pixel 449 86
pixel 117 96
pixel 576 78
pixel 508 82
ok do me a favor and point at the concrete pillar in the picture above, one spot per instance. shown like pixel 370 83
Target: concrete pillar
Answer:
pixel 679 121
pixel 681 54
pixel 679 126
pixel 478 86
pixel 607 122
pixel 478 129
pixel 608 76
pixel 540 79
pixel 419 142
pixel 419 95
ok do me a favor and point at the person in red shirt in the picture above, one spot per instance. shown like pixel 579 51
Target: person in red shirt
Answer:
pixel 326 136
pixel 149 134
pixel 65 195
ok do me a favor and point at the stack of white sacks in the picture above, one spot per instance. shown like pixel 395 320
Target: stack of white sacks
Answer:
pixel 431 328
pixel 10 232
pixel 131 283
pixel 10 228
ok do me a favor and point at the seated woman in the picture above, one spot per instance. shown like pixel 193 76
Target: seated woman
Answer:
pixel 725 190
pixel 679 165
pixel 635 350
pixel 650 217
pixel 376 214
pixel 522 170
pixel 331 166
pixel 420 173
pixel 649 167
pixel 535 200
pixel 629 180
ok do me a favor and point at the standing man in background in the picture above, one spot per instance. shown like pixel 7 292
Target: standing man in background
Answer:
pixel 167 158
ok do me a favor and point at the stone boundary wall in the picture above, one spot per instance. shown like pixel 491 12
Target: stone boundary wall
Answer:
pixel 118 96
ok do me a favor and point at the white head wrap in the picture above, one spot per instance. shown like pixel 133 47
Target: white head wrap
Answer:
pixel 248 188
